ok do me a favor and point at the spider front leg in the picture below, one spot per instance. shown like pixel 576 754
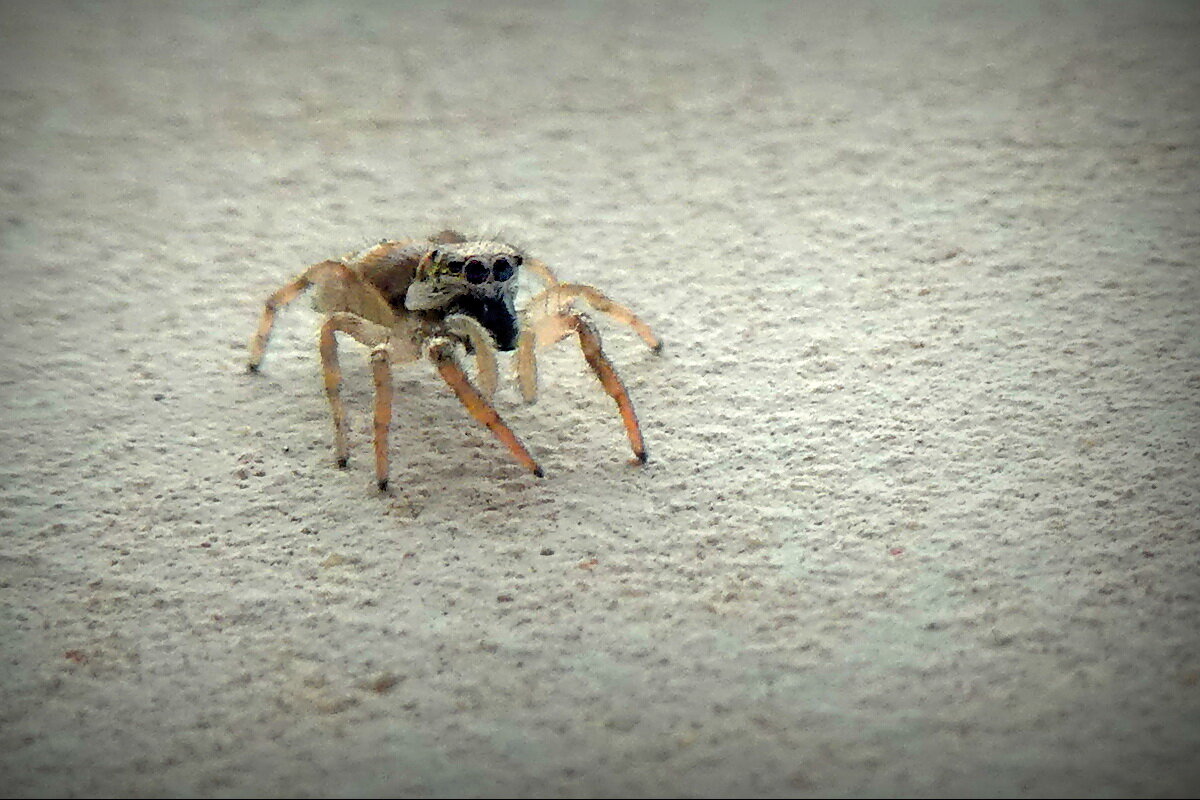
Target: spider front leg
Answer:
pixel 441 352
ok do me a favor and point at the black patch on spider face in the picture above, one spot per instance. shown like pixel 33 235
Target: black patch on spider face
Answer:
pixel 493 313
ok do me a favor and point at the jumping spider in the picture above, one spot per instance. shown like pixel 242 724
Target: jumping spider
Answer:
pixel 437 298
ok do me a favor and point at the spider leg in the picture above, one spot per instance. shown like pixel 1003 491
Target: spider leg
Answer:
pixel 544 272
pixel 381 369
pixel 527 364
pixel 542 332
pixel 285 295
pixel 363 331
pixel 593 353
pixel 527 340
pixel 546 322
pixel 441 352
pixel 564 293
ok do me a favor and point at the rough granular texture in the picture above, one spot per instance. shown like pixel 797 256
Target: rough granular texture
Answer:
pixel 922 510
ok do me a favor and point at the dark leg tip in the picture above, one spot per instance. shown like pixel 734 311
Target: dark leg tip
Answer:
pixel 383 484
pixel 342 462
pixel 658 348
pixel 641 456
pixel 538 472
pixel 252 367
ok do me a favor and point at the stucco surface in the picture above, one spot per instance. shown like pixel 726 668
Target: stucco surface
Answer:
pixel 921 511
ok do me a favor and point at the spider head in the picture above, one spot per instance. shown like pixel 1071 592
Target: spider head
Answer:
pixel 474 278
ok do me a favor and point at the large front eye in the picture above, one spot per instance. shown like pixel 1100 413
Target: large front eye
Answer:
pixel 502 269
pixel 476 271
pixel 455 267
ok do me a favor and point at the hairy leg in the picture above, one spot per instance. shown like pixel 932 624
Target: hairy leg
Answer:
pixel 285 295
pixel 332 373
pixel 544 272
pixel 589 342
pixel 441 353
pixel 545 330
pixel 547 322
pixel 527 364
pixel 564 293
pixel 381 369
pixel 361 330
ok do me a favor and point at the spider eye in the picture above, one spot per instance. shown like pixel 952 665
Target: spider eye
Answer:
pixel 455 267
pixel 476 271
pixel 502 269
pixel 518 260
pixel 434 255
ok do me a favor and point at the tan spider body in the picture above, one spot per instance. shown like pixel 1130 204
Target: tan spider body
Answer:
pixel 434 299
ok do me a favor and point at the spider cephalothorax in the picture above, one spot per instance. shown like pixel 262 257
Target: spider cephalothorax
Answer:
pixel 440 298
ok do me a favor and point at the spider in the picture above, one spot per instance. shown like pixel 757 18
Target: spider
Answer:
pixel 440 299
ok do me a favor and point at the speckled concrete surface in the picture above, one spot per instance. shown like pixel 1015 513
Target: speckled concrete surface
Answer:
pixel 921 515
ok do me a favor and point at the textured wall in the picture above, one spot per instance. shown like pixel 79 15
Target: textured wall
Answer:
pixel 921 510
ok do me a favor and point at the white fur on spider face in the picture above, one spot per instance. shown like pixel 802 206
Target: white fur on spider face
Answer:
pixel 425 295
pixel 485 270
